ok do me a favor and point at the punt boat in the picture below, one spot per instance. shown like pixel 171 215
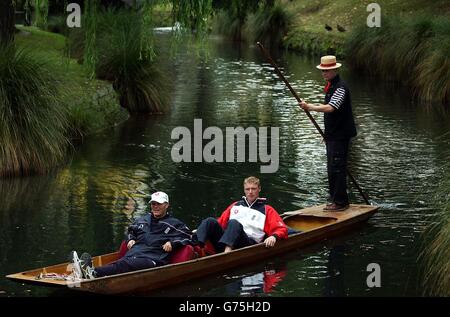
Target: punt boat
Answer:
pixel 311 224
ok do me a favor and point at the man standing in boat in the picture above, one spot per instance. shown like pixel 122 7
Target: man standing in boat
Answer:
pixel 245 222
pixel 339 129
pixel 150 240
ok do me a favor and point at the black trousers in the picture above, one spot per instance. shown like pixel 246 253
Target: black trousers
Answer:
pixel 337 153
pixel 233 236
pixel 123 265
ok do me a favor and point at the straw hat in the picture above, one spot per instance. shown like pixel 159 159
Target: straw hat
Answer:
pixel 328 62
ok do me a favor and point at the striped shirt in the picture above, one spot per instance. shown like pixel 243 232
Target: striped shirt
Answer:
pixel 339 124
pixel 337 99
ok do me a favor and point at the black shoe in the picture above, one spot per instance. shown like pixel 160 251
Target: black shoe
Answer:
pixel 86 266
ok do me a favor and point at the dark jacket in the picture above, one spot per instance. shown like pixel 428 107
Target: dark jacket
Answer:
pixel 151 234
pixel 339 124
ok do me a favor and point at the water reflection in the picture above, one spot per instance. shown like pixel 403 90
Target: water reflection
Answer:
pixel 334 281
pixel 255 284
pixel 264 279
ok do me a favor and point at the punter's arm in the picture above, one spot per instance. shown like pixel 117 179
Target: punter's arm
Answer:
pixel 316 107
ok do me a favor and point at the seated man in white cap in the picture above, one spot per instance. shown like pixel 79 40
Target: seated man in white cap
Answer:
pixel 150 240
pixel 339 129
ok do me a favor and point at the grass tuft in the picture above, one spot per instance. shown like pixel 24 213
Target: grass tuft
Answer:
pixel 413 50
pixel 436 254
pixel 33 122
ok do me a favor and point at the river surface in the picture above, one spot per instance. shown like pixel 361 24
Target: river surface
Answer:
pixel 87 205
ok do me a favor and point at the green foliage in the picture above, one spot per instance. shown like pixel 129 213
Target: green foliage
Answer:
pixel 315 43
pixel 57 24
pixel 129 65
pixel 92 105
pixel 118 46
pixel 268 25
pixel 125 56
pixel 33 125
pixel 90 29
pixel 436 254
pixel 413 50
pixel 227 25
pixel 91 114
pixel 41 13
pixel 241 9
pixel 232 16
pixel 193 14
pixel 142 88
pixel 75 42
pixel 159 12
pixel 263 20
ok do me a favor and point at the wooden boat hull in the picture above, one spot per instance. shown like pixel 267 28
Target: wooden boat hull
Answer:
pixel 315 224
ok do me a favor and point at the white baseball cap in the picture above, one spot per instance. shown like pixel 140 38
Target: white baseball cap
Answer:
pixel 160 197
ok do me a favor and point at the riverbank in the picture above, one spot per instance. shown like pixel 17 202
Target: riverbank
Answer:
pixel 321 26
pixel 410 48
pixel 408 45
pixel 92 104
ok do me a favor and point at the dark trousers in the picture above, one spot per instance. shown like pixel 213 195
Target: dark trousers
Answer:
pixel 233 236
pixel 337 152
pixel 123 265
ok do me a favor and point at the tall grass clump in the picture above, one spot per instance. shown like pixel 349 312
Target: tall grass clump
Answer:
pixel 268 25
pixel 412 51
pixel 33 125
pixel 125 56
pixel 436 254
pixel 433 72
pixel 126 60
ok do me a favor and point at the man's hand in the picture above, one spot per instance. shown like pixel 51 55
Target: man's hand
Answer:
pixel 305 106
pixel 167 246
pixel 270 241
pixel 130 244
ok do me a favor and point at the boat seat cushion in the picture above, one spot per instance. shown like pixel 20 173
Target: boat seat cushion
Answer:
pixel 123 249
pixel 185 253
pixel 189 252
